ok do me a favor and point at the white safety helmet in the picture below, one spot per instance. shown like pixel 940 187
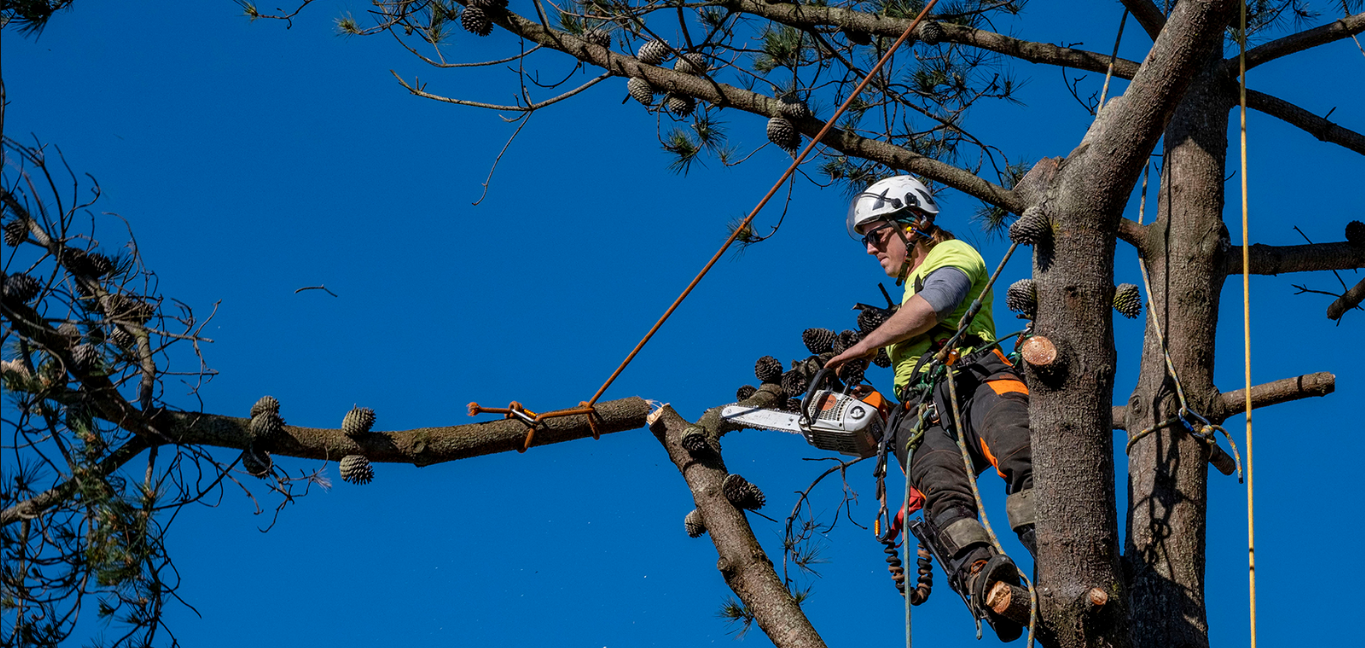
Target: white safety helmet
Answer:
pixel 890 199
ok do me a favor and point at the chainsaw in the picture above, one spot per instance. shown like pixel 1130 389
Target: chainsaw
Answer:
pixel 829 420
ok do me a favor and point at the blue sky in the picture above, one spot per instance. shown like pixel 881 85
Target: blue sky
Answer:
pixel 252 160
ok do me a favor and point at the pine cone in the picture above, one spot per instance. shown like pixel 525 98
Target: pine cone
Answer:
pixel 745 393
pixel 475 21
pixel 356 469
pixel 694 440
pixel 77 262
pixel 69 331
pixel 652 52
pixel 357 422
pixel 794 383
pixel 768 370
pixel 1355 233
pixel 783 134
pixel 122 338
pixel 1022 297
pixel 1128 300
pixel 489 4
pixel 818 340
pixel 1031 228
pixel 870 318
pixel 844 340
pixel 882 360
pixel 598 36
pixel 86 357
pixel 793 405
pixel 852 373
pixel 256 464
pixel 929 32
pixel 100 265
pixel 265 404
pixel 680 105
pixel 695 527
pixel 16 232
pixel 640 90
pixel 693 63
pixel 793 108
pixel 856 37
pixel 266 426
pixel 741 493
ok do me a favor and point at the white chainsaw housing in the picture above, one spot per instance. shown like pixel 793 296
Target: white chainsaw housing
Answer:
pixel 844 424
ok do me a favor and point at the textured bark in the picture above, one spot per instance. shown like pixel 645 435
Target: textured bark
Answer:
pixel 1070 408
pixel 1280 259
pixel 1348 300
pixel 1164 557
pixel 1264 395
pixel 746 568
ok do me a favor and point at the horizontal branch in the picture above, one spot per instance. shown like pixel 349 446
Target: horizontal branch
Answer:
pixel 59 493
pixel 1272 393
pixel 1294 43
pixel 728 96
pixel 420 447
pixel 1280 391
pixel 1148 15
pixel 1348 300
pixel 811 16
pixel 1281 259
pixel 1319 127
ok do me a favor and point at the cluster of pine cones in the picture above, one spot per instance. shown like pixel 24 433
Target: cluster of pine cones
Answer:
pixel 823 345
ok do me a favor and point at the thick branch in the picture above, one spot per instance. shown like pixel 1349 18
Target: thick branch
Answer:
pixel 729 96
pixel 1350 299
pixel 810 16
pixel 1319 127
pixel 1148 15
pixel 746 568
pixel 1271 393
pixel 420 447
pixel 1279 259
pixel 1293 43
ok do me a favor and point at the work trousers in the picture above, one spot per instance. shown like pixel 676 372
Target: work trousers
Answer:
pixel 993 402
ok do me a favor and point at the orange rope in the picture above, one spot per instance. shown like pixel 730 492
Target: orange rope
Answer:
pixel 515 410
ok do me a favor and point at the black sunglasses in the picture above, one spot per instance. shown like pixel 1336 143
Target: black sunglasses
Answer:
pixel 873 236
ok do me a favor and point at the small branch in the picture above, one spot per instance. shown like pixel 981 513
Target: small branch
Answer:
pixel 1294 43
pixel 1319 127
pixel 1350 299
pixel 417 90
pixel 317 287
pixel 45 500
pixel 524 118
pixel 1280 259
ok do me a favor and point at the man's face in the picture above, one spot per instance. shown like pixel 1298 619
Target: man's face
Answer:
pixel 882 242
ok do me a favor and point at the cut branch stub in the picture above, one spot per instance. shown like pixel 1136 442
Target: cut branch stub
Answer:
pixel 1039 351
pixel 742 494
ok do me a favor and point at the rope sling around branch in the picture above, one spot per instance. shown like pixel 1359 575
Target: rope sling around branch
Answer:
pixel 516 410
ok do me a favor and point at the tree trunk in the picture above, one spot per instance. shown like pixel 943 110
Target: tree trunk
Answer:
pixel 1185 250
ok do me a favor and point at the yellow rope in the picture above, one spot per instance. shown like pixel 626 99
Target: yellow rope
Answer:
pixel 1246 326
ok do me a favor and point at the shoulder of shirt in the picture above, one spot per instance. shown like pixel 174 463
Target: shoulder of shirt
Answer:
pixel 955 248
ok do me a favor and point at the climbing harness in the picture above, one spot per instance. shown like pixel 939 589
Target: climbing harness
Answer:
pixel 515 409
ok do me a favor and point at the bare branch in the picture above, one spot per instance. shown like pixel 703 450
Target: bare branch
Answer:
pixel 1272 393
pixel 1148 15
pixel 1350 299
pixel 1280 259
pixel 1316 126
pixel 1294 43
pixel 417 90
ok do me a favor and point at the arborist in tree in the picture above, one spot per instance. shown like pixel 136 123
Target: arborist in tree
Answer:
pixel 894 219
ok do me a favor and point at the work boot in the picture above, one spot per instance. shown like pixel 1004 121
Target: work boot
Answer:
pixel 1029 539
pixel 973 567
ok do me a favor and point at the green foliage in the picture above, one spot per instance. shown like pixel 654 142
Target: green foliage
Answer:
pixel 995 220
pixel 736 613
pixel 30 16
pixel 707 136
pixel 783 47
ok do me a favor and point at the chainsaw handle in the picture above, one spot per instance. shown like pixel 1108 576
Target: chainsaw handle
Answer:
pixel 810 393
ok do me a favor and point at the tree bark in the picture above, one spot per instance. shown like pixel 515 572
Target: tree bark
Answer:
pixel 1164 556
